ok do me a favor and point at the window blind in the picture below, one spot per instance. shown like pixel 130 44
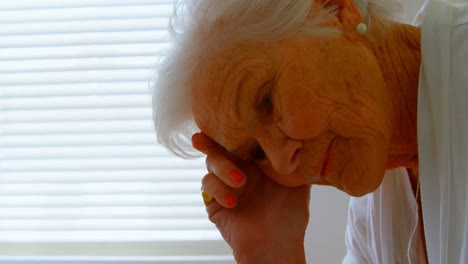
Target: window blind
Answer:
pixel 80 170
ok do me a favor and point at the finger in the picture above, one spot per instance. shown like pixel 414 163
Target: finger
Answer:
pixel 225 170
pixel 213 186
pixel 207 198
pixel 204 144
pixel 212 206
pixel 218 161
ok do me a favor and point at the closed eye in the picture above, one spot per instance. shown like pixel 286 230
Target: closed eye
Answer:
pixel 266 104
pixel 264 99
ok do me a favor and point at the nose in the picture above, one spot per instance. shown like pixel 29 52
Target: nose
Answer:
pixel 282 153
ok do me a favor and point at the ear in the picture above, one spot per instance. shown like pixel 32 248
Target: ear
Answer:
pixel 348 15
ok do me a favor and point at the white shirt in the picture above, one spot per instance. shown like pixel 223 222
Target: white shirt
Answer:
pixel 382 226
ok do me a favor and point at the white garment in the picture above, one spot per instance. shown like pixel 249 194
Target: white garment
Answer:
pixel 382 224
pixel 379 223
pixel 443 130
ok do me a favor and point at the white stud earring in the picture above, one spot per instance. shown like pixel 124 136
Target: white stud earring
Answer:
pixel 361 29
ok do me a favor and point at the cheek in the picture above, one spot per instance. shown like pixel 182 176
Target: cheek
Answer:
pixel 364 168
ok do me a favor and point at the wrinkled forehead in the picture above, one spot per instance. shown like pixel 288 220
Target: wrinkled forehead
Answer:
pixel 208 89
pixel 218 73
pixel 219 83
pixel 213 117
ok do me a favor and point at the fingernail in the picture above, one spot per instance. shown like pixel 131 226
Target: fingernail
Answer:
pixel 230 199
pixel 236 176
pixel 206 196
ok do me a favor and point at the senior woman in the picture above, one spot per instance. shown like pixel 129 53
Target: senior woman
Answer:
pixel 332 92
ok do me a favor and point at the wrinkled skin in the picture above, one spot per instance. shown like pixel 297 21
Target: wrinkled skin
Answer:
pixel 304 110
pixel 313 127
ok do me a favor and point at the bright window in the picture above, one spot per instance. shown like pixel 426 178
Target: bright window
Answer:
pixel 80 172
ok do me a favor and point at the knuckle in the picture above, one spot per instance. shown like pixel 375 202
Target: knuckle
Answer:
pixel 209 162
pixel 215 163
pixel 206 179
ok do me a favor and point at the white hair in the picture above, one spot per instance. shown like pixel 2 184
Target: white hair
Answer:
pixel 202 26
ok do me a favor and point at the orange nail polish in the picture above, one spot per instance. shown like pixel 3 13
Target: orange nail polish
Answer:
pixel 231 200
pixel 236 176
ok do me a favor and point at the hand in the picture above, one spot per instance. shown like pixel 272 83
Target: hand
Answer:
pixel 262 221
